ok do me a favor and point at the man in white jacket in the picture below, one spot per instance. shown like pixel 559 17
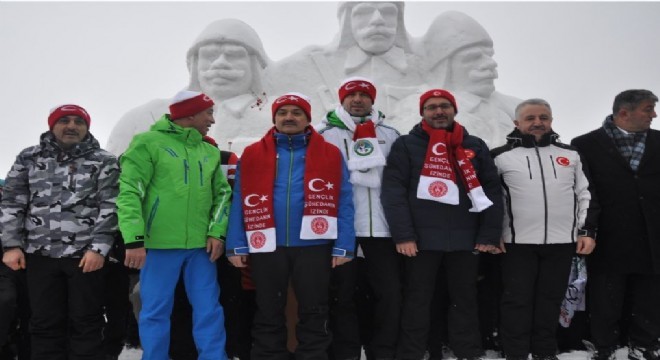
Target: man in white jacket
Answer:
pixel 547 220
pixel 357 129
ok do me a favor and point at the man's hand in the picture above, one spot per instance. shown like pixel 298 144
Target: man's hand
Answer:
pixel 339 260
pixel 239 261
pixel 91 261
pixel 135 258
pixel 407 248
pixel 486 248
pixel 215 247
pixel 585 245
pixel 14 259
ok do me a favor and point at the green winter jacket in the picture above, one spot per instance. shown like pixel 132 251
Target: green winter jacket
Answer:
pixel 172 192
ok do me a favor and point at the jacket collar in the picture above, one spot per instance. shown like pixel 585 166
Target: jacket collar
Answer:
pixel 516 138
pixel 187 135
pixel 50 147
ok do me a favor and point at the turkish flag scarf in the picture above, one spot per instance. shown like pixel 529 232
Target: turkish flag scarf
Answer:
pixel 322 181
pixel 437 180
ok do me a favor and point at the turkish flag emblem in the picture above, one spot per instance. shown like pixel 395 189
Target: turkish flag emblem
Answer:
pixel 563 161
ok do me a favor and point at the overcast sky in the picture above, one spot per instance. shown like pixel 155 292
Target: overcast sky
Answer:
pixel 112 57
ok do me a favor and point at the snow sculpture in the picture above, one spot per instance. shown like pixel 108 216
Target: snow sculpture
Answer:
pixel 227 61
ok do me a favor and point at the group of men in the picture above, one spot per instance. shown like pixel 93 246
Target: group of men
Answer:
pixel 305 203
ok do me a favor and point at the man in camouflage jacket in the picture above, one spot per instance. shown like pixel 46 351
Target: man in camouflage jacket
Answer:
pixel 58 215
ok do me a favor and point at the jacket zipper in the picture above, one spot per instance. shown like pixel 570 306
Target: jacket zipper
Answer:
pixel 201 174
pixel 288 190
pixel 545 196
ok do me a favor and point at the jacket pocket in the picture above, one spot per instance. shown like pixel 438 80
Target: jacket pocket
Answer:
pixel 152 215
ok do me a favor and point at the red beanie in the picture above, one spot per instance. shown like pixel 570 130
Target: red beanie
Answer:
pixel 293 98
pixel 188 103
pixel 354 84
pixel 68 109
pixel 436 93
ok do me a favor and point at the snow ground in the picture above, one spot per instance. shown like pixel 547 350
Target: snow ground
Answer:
pixel 621 354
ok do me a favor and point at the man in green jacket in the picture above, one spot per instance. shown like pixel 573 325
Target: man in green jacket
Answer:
pixel 174 201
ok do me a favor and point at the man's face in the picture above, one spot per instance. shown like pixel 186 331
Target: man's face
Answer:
pixel 291 120
pixel 202 121
pixel 438 113
pixel 474 70
pixel 639 119
pixel 534 120
pixel 374 26
pixel 357 103
pixel 69 130
pixel 224 70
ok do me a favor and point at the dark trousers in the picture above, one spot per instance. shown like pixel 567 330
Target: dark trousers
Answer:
pixel 117 308
pixel 8 301
pixel 534 278
pixel 343 312
pixel 420 281
pixel 606 302
pixel 384 272
pixel 67 309
pixel 308 267
pixel 14 315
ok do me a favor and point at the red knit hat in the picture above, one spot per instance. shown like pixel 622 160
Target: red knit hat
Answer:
pixel 68 109
pixel 188 103
pixel 293 98
pixel 436 93
pixel 354 84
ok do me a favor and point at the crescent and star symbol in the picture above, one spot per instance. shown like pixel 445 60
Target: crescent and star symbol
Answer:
pixel 434 149
pixel 247 202
pixel 328 185
pixel 351 85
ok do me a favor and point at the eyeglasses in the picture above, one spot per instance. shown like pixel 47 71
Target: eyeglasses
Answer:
pixel 436 107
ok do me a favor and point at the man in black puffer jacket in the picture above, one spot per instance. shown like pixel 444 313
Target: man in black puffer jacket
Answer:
pixel 443 202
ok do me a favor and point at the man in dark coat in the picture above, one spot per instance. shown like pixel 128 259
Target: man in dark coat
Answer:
pixel 623 157
pixel 443 202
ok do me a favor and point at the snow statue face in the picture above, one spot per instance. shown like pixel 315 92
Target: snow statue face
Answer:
pixel 474 70
pixel 374 26
pixel 224 70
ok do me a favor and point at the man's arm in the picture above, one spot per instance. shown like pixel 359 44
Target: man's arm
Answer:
pixel 237 248
pixel 394 193
pixel 490 220
pixel 220 205
pixel 136 173
pixel 103 234
pixel 14 204
pixel 344 248
pixel 588 208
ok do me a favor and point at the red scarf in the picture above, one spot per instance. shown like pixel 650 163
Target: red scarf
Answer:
pixel 321 194
pixel 437 180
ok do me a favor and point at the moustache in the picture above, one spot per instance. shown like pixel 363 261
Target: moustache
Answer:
pixel 382 31
pixel 537 128
pixel 229 74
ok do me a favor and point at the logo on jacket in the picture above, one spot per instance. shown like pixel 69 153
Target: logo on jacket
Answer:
pixel 563 161
pixel 438 189
pixel 363 147
pixel 311 185
pixel 319 225
pixel 257 239
pixel 469 153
